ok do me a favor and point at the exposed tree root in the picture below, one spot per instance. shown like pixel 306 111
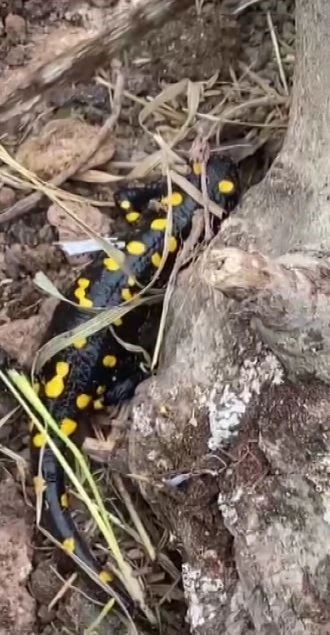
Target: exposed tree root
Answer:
pixel 223 397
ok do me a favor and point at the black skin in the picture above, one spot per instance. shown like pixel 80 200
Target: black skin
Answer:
pixel 140 326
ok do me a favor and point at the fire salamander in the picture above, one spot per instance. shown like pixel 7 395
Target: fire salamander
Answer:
pixel 98 371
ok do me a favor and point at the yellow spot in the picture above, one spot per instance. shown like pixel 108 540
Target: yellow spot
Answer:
pixel 136 248
pixel 80 343
pixel 131 281
pixel 125 205
pixel 39 485
pixel 126 295
pixel 176 199
pixel 83 401
pixel 55 386
pixel 69 545
pixel 172 244
pixel 111 264
pixel 159 224
pixel 80 293
pixel 86 303
pixel 132 217
pixel 197 168
pixel 36 387
pixel 98 404
pixel 118 322
pixel 39 440
pixel 64 501
pixel 226 187
pixel 100 390
pixel 83 283
pixel 109 361
pixel 62 369
pixel 156 260
pixel 105 577
pixel 68 426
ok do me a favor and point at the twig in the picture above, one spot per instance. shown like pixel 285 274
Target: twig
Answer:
pixel 134 516
pixel 244 4
pixel 26 204
pixel 183 257
pixel 277 53
pixel 81 60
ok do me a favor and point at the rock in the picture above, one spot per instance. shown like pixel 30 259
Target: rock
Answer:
pixel 15 27
pixel 17 607
pixel 7 197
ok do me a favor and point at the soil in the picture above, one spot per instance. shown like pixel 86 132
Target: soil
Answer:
pixel 190 48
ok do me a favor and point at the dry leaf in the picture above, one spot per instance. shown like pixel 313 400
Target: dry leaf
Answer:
pixel 59 144
pixel 68 229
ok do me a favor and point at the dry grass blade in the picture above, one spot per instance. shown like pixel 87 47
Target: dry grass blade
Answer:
pixel 132 348
pixel 277 53
pixel 100 321
pixel 26 396
pixel 145 540
pixel 197 228
pixel 49 192
pixel 244 4
pixel 170 93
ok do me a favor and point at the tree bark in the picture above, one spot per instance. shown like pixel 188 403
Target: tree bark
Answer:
pixel 241 402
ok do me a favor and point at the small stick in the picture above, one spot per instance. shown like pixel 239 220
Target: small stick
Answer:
pixel 277 53
pixel 122 27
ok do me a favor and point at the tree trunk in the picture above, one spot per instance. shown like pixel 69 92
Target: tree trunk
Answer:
pixel 241 403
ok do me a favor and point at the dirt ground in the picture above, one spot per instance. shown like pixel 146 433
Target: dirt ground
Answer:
pixel 194 47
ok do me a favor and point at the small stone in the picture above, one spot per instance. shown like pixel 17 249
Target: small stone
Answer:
pixel 16 56
pixel 7 197
pixel 15 28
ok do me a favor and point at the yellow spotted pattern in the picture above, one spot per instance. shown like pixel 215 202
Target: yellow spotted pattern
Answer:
pixel 176 199
pixel 111 264
pixel 156 260
pixel 80 293
pixel 83 401
pixel 132 217
pixel 109 361
pixel 197 168
pixel 226 187
pixel 80 343
pixel 105 577
pixel 69 545
pixel 68 426
pixel 131 281
pixel 172 244
pixel 39 440
pixel 125 205
pixel 98 404
pixel 159 224
pixel 126 295
pixel 100 390
pixel 55 386
pixel 136 248
pixel 118 322
pixel 64 501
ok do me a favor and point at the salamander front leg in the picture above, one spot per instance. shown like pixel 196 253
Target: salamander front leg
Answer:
pixel 134 201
